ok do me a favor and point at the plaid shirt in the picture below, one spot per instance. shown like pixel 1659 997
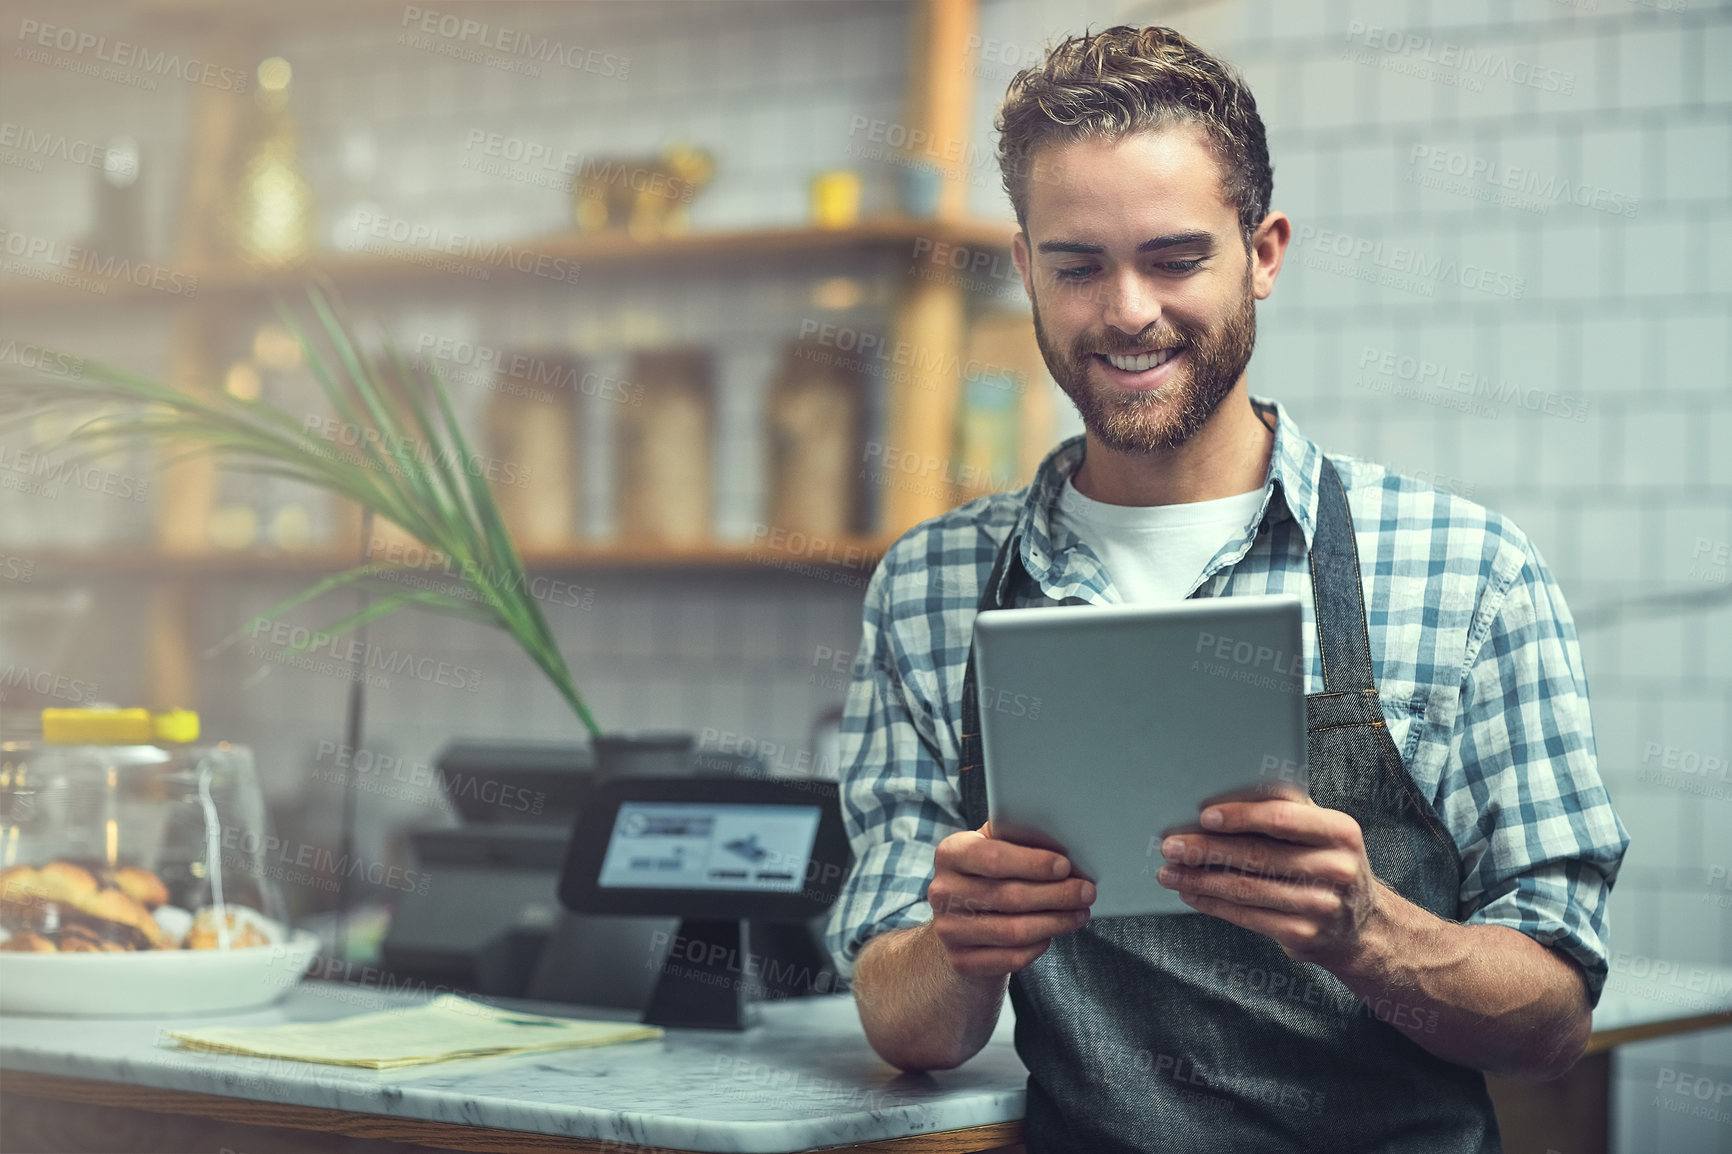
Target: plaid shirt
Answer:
pixel 1479 675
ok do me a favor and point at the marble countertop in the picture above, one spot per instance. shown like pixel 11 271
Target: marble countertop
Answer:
pixel 803 1077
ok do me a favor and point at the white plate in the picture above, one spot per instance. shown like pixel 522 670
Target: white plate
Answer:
pixel 152 983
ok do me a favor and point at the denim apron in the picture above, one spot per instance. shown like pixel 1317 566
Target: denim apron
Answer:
pixel 1187 1033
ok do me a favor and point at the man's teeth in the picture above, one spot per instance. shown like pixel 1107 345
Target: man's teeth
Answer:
pixel 1141 362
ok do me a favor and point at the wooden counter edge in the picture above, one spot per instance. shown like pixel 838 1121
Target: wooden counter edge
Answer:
pixel 1606 1039
pixel 444 1135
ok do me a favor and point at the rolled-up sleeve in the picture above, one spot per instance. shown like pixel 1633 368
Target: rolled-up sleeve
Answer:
pixel 1548 844
pixel 898 802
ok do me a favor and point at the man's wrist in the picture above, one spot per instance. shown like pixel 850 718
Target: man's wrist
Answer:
pixel 934 947
pixel 1387 935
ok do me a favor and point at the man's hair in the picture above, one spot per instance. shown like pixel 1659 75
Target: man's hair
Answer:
pixel 1124 80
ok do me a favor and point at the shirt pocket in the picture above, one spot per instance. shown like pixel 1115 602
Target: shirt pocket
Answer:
pixel 1408 717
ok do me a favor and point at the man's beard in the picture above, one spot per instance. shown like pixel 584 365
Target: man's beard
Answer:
pixel 1165 418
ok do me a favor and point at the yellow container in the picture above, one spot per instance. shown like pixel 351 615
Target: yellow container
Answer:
pixel 117 726
pixel 836 198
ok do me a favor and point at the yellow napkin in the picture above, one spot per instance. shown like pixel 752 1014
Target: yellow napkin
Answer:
pixel 448 1027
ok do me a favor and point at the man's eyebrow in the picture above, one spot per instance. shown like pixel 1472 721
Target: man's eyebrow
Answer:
pixel 1153 244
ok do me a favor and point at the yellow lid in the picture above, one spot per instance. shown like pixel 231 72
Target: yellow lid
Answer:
pixel 174 725
pixel 117 726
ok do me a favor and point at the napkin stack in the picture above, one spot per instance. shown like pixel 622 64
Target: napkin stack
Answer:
pixel 444 1029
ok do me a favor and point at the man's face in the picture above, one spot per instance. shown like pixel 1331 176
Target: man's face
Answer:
pixel 1142 289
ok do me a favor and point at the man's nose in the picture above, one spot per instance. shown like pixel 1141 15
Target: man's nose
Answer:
pixel 1130 305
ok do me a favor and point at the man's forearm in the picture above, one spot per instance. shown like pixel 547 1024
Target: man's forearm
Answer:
pixel 918 1012
pixel 1483 996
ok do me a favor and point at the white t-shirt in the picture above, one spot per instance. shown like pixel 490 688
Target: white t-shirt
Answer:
pixel 1156 552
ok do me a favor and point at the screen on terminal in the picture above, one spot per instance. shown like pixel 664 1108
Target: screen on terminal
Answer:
pixel 709 846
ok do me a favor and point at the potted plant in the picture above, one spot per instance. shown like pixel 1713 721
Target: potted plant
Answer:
pixel 407 466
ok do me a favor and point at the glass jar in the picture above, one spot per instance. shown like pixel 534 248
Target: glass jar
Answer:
pixel 131 845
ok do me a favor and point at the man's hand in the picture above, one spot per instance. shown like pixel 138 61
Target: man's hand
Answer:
pixel 1288 869
pixel 929 995
pixel 1483 996
pixel 996 905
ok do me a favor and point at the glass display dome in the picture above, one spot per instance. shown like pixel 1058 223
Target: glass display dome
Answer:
pixel 120 833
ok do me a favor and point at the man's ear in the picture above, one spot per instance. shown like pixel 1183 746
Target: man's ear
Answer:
pixel 1019 254
pixel 1268 248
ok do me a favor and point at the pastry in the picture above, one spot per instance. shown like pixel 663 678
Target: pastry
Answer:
pixel 141 886
pixel 246 928
pixel 28 943
pixel 83 938
pixel 174 920
pixel 79 939
pixel 64 892
pixel 137 883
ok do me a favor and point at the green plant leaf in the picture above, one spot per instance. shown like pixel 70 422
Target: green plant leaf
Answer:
pixel 410 465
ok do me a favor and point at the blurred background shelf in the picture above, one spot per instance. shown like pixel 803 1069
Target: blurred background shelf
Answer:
pixel 720 323
pixel 596 252
pixel 802 550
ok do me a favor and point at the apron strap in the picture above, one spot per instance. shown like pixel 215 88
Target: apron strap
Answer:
pixel 1336 593
pixel 972 772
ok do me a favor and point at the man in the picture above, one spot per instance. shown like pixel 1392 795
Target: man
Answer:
pixel 1437 909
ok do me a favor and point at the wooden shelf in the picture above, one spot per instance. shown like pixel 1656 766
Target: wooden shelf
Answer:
pixel 402 264
pixel 842 553
pixel 929 313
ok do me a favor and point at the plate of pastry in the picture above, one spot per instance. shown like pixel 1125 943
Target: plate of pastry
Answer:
pixel 91 940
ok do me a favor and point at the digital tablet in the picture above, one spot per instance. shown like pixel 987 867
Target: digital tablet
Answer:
pixel 1106 728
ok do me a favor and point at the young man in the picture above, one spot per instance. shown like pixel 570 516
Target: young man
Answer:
pixel 1436 909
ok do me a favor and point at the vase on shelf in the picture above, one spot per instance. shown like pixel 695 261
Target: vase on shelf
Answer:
pixel 271 214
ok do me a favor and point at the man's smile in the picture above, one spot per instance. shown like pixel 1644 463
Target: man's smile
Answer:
pixel 1148 370
pixel 1137 362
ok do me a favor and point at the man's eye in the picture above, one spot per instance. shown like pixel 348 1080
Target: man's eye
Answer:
pixel 1180 265
pixel 1079 272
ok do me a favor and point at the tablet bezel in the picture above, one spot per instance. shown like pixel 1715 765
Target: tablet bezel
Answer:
pixel 1216 615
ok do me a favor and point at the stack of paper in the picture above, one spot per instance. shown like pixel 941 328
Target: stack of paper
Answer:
pixel 447 1027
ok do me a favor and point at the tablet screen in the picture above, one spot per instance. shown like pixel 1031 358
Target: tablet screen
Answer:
pixel 709 846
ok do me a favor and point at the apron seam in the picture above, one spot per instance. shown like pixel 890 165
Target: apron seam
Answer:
pixel 1322 650
pixel 1350 725
pixel 1427 814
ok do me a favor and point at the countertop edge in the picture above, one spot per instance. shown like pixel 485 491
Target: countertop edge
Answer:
pixel 772 1136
